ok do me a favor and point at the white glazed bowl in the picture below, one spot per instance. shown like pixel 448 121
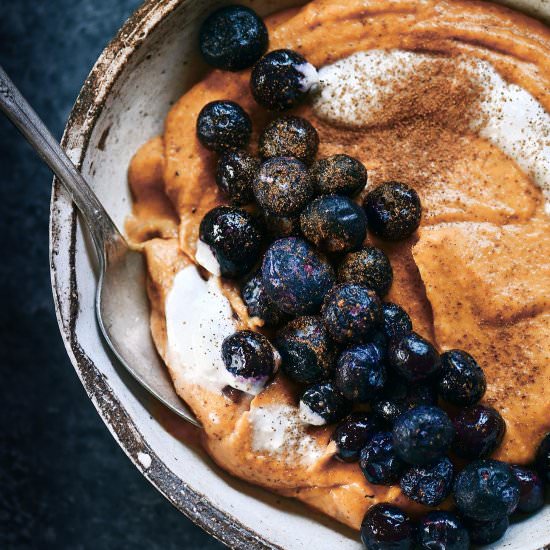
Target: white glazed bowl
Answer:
pixel 149 64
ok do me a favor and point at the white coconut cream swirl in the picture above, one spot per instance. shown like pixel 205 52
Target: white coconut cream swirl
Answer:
pixel 356 91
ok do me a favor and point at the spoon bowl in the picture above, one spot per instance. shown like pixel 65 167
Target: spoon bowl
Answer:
pixel 121 302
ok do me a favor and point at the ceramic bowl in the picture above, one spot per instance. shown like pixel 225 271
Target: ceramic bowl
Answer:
pixel 148 65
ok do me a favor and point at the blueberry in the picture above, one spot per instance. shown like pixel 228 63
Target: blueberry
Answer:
pixel 307 352
pixel 486 532
pixel 289 136
pixel 351 312
pixel 334 224
pixel 531 490
pixel 234 176
pixel 379 461
pixel 399 396
pixel 258 303
pixel 486 490
pixel 360 372
pixel 462 381
pixel 295 276
pixel 479 431
pixel 429 485
pixel 322 404
pixel 413 357
pixel 352 434
pixel 233 38
pixel 393 211
pixel 387 527
pixel 370 267
pixel 234 237
pixel 280 226
pixel 423 435
pixel 250 358
pixel 283 186
pixel 378 337
pixel 543 458
pixel 397 322
pixel 339 175
pixel 223 125
pixel 281 79
pixel 441 530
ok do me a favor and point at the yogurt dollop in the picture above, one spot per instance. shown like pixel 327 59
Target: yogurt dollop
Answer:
pixel 278 431
pixel 198 319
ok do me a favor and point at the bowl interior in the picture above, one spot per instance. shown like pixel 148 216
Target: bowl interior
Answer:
pixel 150 64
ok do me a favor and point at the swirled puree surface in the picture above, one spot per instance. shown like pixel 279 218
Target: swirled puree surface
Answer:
pixel 451 98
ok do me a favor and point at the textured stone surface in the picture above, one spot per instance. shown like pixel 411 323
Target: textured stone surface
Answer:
pixel 64 482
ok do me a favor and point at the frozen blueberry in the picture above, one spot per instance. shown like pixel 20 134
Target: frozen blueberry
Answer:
pixel 429 485
pixel 543 458
pixel 531 490
pixel 307 352
pixel 283 186
pixel 397 322
pixel 370 267
pixel 462 381
pixel 360 372
pixel 280 226
pixel 487 532
pixel 423 435
pixel 479 431
pixel 234 237
pixel 413 357
pixel 258 303
pixel 250 358
pixel 387 527
pixel 334 224
pixel 223 125
pixel 400 396
pixel 233 38
pixel 234 176
pixel 295 276
pixel 351 312
pixel 441 530
pixel 379 461
pixel 281 79
pixel 339 175
pixel 352 434
pixel 322 404
pixel 486 490
pixel 393 211
pixel 289 136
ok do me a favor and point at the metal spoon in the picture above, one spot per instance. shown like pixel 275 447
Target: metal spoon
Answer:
pixel 121 303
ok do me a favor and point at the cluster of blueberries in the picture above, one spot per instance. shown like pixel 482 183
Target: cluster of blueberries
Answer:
pixel 346 348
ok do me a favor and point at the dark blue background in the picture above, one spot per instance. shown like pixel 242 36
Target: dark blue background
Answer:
pixel 64 482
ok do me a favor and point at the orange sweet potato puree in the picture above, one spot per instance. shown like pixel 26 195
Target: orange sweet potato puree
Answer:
pixel 475 276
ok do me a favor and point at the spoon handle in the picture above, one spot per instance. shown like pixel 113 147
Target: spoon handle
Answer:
pixel 25 119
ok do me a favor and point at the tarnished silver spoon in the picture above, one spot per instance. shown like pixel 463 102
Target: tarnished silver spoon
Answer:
pixel 121 303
